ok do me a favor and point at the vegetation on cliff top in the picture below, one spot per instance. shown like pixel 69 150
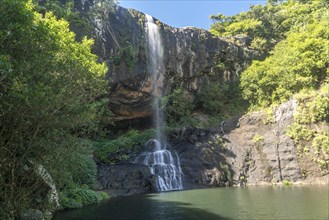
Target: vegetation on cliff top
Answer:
pixel 299 62
pixel 267 25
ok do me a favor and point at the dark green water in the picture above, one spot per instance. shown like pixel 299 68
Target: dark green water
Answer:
pixel 261 202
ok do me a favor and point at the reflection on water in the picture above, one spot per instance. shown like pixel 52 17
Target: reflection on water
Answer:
pixel 293 202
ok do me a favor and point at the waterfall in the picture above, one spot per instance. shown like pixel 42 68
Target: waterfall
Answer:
pixel 164 164
pixel 155 49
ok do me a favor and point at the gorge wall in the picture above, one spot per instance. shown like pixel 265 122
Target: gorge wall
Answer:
pixel 251 149
pixel 191 58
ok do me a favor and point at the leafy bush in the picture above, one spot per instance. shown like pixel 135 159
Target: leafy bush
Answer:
pixel 225 168
pixel 70 163
pixel 321 141
pixel 126 54
pixel 217 141
pixel 299 132
pixel 78 197
pixel 103 196
pixel 257 138
pixel 313 105
pixel 221 99
pixel 287 183
pixel 178 107
pixel 120 148
pixel 85 172
pixel 298 63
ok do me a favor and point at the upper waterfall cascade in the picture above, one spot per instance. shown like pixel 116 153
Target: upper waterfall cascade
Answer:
pixel 164 164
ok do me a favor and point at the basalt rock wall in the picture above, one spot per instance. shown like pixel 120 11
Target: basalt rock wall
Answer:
pixel 253 149
pixel 191 58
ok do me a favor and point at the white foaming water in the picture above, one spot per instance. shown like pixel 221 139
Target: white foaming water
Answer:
pixel 161 161
pixel 164 165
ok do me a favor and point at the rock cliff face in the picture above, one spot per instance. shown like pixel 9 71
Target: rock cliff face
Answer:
pixel 191 57
pixel 263 153
pixel 248 150
pixel 252 150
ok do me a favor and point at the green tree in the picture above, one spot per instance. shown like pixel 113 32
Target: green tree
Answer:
pixel 221 99
pixel 178 107
pixel 81 15
pixel 267 25
pixel 297 63
pixel 50 89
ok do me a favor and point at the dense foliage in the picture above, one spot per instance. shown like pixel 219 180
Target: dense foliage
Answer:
pixel 295 37
pixel 218 101
pixel 78 197
pixel 266 25
pixel 310 128
pixel 50 98
pixel 221 99
pixel 178 107
pixel 298 67
pixel 299 61
pixel 121 148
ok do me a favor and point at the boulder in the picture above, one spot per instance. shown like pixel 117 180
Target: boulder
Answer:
pixel 125 179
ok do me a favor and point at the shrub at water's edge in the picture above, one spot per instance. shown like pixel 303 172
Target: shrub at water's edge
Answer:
pixel 77 197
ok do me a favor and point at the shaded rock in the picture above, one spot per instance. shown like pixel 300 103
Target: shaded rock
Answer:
pixel 125 179
pixel 203 160
pixel 243 40
pixel 213 177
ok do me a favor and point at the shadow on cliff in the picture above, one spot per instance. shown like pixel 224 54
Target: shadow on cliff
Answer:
pixel 138 208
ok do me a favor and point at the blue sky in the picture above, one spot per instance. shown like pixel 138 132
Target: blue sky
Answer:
pixel 188 12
